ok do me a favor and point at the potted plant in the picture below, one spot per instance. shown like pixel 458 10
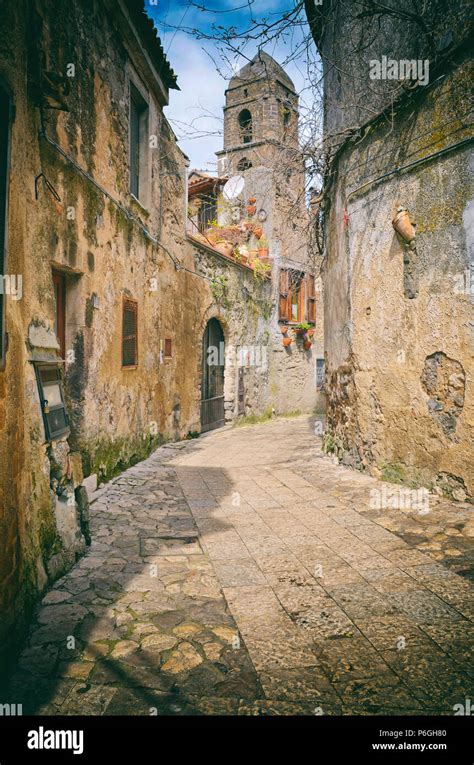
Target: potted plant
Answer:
pixel 224 247
pixel 287 341
pixel 301 329
pixel 263 248
pixel 307 345
pixel 260 270
pixel 257 230
pixel 251 206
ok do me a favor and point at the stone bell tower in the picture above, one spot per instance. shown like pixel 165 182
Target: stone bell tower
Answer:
pixel 260 116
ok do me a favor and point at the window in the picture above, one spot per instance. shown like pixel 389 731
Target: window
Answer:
pixel 5 118
pixel 297 301
pixel 207 212
pixel 139 143
pixel 56 421
pixel 168 348
pixel 245 125
pixel 129 334
pixel 320 374
pixel 243 164
pixel 59 283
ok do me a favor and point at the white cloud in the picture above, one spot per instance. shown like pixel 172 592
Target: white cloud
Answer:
pixel 199 102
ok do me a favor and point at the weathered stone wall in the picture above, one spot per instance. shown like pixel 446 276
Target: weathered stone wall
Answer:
pixel 398 317
pixel 117 415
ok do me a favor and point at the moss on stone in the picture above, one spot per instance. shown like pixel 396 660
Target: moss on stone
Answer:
pixel 107 458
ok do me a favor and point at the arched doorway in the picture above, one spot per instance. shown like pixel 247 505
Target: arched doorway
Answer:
pixel 212 386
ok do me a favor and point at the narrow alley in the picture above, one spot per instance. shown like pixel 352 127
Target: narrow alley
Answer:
pixel 246 573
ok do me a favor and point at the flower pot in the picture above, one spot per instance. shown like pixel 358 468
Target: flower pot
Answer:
pixel 251 210
pixel 263 252
pixel 225 248
pixel 403 225
pixel 310 332
pixel 258 231
pixel 307 345
pixel 212 235
pixel 252 200
pixel 287 342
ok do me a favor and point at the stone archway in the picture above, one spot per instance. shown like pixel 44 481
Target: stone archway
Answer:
pixel 212 379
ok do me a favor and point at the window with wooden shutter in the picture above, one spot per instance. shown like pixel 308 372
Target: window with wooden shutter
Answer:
pixel 129 334
pixel 283 307
pixel 310 299
pixel 5 117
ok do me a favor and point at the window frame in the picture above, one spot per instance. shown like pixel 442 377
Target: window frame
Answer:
pixel 129 302
pixel 5 93
pixel 306 298
pixel 51 435
pixel 245 128
pixel 138 134
pixel 59 285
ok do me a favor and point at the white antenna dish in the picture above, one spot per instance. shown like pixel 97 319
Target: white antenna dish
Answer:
pixel 233 187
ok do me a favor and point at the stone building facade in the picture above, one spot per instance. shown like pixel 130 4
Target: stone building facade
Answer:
pixel 399 308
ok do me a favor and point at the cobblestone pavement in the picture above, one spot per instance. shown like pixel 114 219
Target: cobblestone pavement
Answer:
pixel 246 573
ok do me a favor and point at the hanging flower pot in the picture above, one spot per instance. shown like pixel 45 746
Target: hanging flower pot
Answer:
pixel 307 345
pixel 252 200
pixel 251 210
pixel 287 342
pixel 258 231
pixel 310 332
pixel 403 225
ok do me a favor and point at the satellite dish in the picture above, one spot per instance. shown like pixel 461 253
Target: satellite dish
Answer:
pixel 233 187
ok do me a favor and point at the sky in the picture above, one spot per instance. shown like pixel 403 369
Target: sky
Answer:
pixel 202 72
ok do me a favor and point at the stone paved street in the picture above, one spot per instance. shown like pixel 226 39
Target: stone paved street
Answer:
pixel 246 573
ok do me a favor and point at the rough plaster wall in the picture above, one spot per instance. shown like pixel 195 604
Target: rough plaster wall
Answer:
pixel 104 255
pixel 380 411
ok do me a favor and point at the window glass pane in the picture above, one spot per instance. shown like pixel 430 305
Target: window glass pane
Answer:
pixel 56 421
pixel 294 303
pixel 52 394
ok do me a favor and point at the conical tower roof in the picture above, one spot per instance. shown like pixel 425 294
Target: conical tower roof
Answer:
pixel 262 65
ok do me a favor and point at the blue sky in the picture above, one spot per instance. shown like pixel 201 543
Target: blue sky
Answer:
pixel 203 73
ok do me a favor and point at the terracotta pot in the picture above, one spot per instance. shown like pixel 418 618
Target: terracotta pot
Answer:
pixel 307 345
pixel 252 200
pixel 403 225
pixel 310 332
pixel 263 252
pixel 225 248
pixel 258 231
pixel 287 341
pixel 251 210
pixel 212 235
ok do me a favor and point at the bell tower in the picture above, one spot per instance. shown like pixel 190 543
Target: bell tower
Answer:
pixel 260 116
